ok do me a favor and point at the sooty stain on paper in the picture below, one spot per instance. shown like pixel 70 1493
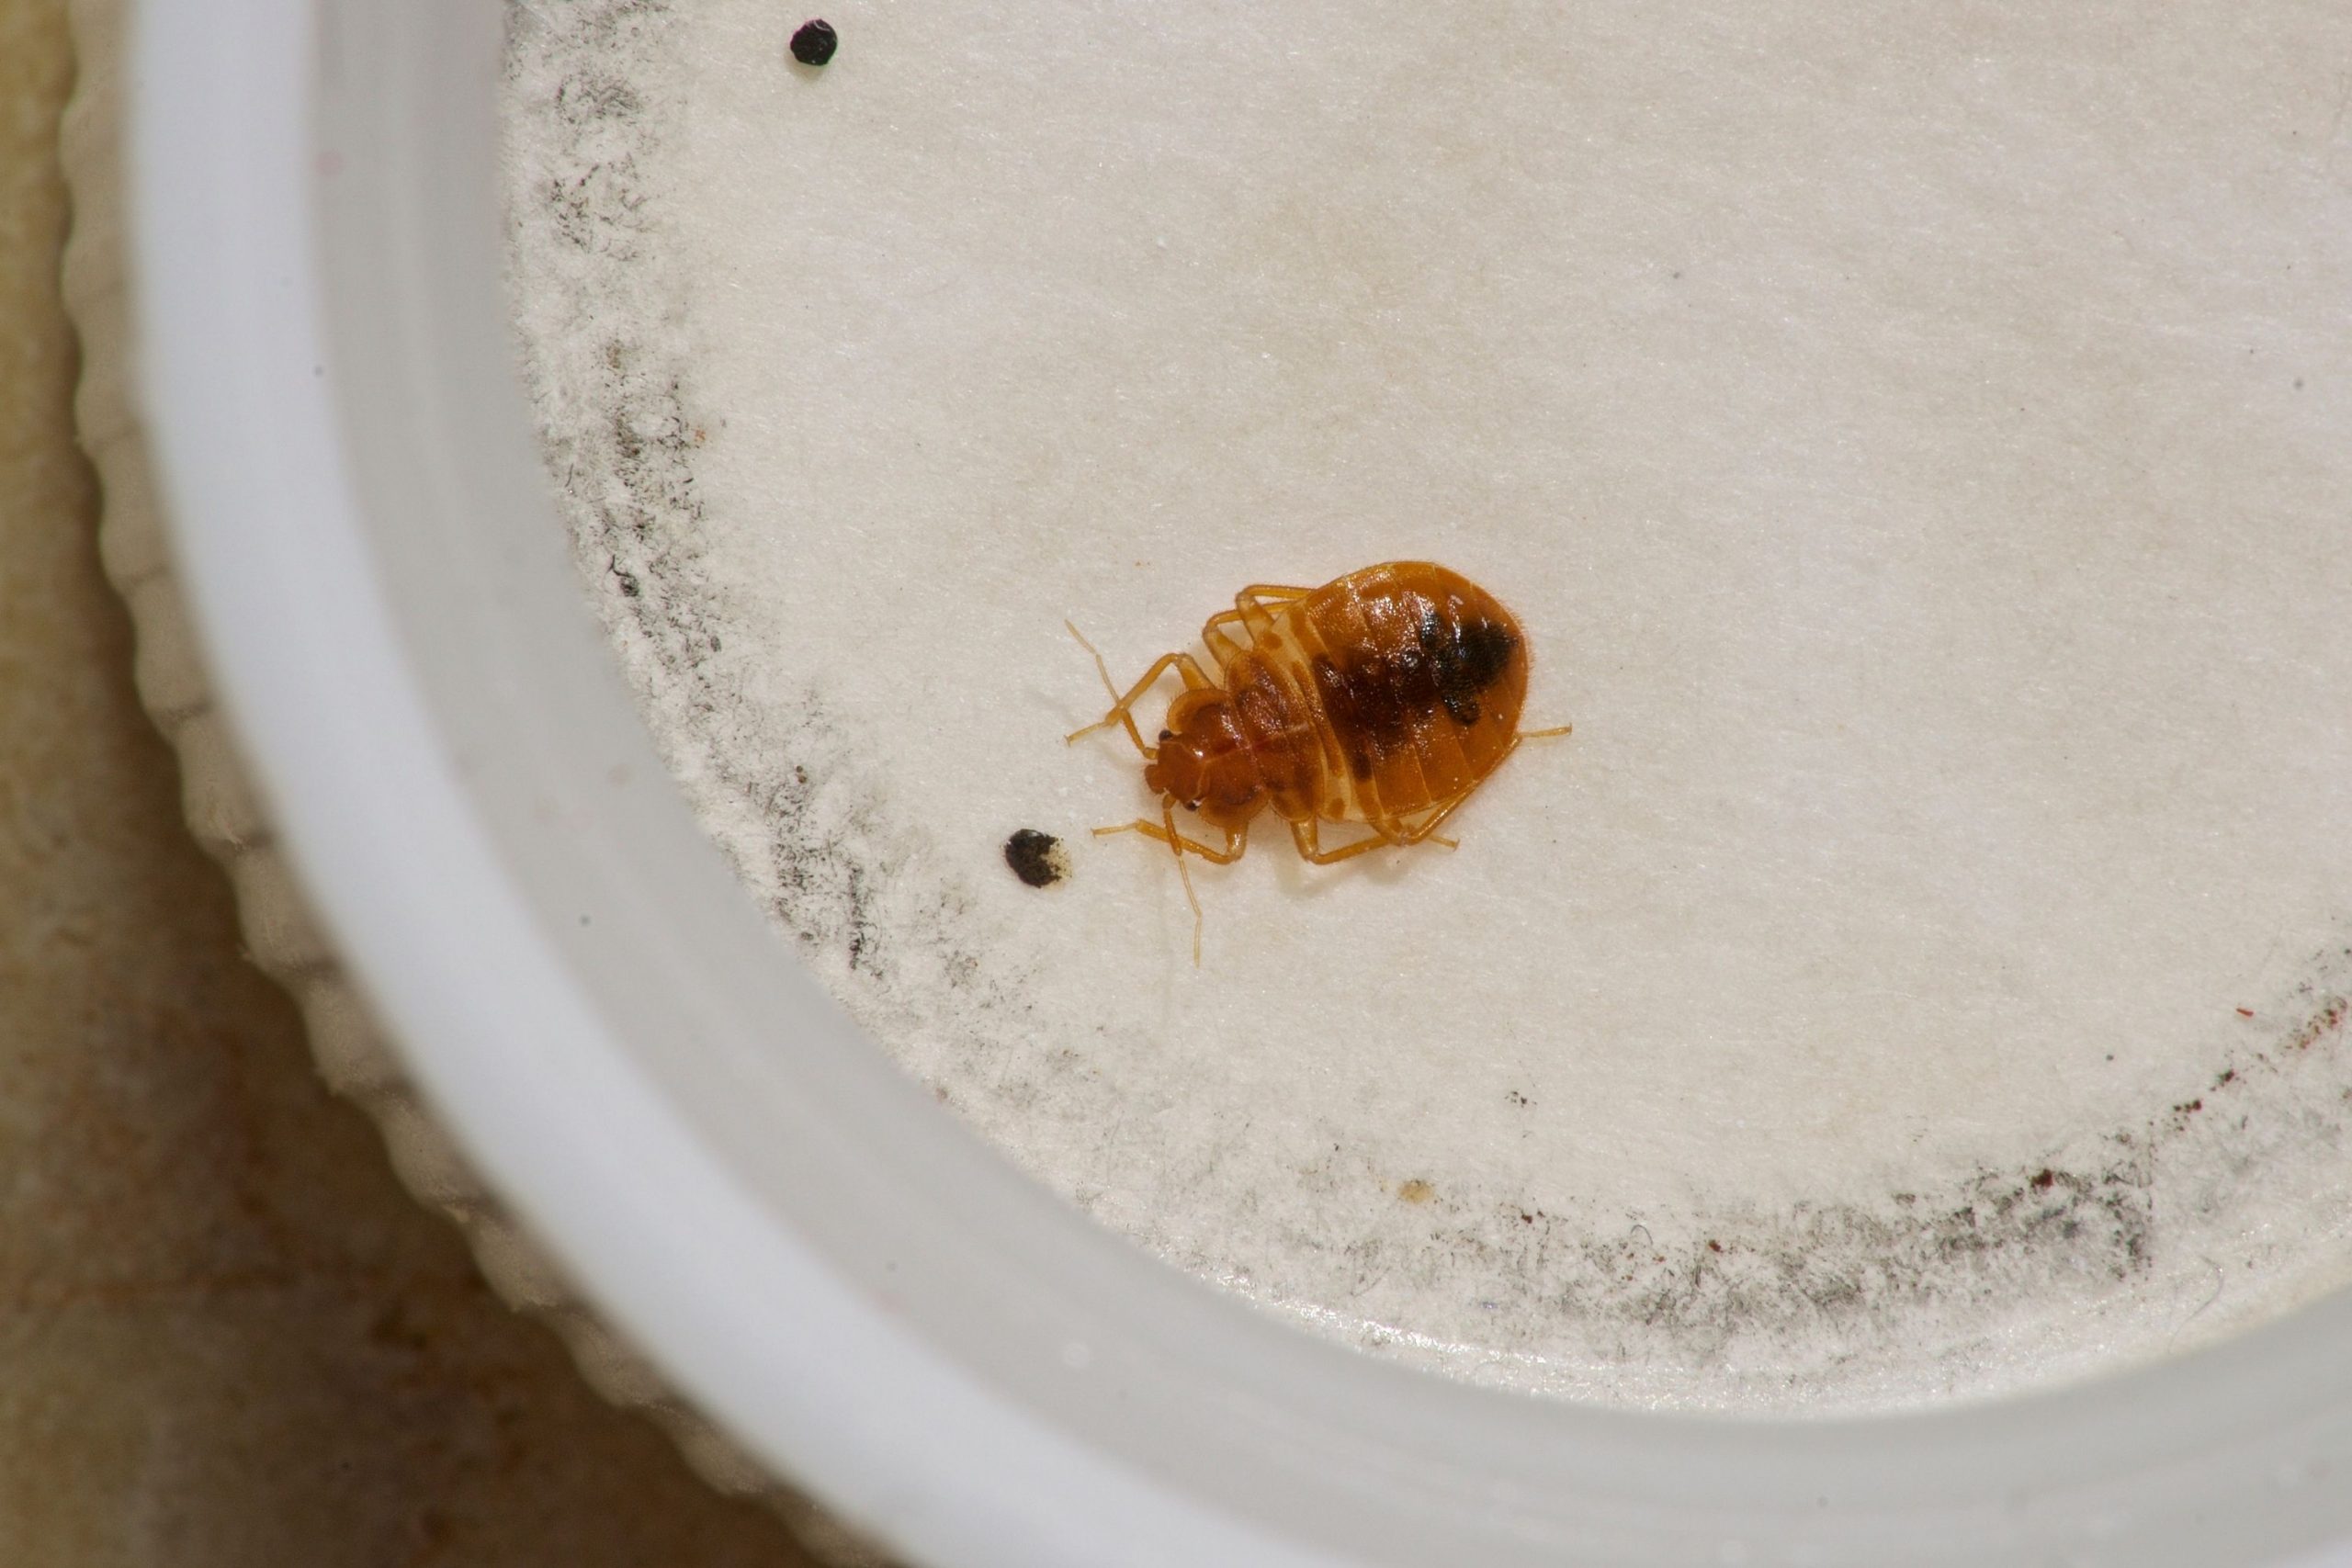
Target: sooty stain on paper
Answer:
pixel 1813 1291
pixel 1756 1301
pixel 620 425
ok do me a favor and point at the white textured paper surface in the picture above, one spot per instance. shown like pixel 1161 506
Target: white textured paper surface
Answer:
pixel 1918 440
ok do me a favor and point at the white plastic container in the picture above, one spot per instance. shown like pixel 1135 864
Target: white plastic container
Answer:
pixel 814 1255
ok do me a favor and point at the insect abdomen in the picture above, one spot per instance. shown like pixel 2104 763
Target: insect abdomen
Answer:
pixel 1280 724
pixel 1419 675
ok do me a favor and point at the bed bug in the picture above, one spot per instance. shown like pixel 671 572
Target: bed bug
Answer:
pixel 1384 697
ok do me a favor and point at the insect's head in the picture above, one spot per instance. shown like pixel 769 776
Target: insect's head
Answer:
pixel 1202 761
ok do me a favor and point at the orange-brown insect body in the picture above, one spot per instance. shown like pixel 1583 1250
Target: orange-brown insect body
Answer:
pixel 1374 699
pixel 1384 697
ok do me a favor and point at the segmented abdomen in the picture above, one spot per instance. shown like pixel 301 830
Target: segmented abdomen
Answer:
pixel 1416 675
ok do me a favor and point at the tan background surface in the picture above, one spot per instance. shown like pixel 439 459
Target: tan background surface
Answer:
pixel 227 1337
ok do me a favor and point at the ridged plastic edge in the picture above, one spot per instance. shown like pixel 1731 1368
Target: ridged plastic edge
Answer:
pixel 224 813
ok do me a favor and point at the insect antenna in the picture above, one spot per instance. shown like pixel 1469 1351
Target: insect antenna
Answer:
pixel 1100 667
pixel 1118 703
pixel 1176 847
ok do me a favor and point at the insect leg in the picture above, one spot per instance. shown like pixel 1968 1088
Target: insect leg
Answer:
pixel 1246 612
pixel 1428 827
pixel 1225 649
pixel 1234 842
pixel 1308 839
pixel 1221 647
pixel 1165 831
pixel 1250 605
pixel 1184 663
pixel 1395 831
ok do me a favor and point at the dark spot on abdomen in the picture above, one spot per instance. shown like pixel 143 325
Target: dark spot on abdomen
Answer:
pixel 1466 657
pixel 1365 713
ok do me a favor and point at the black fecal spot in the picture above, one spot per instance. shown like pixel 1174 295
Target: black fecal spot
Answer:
pixel 814 43
pixel 1036 858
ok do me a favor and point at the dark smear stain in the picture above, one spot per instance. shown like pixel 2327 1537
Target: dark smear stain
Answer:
pixel 595 95
pixel 1036 858
pixel 865 931
pixel 1855 1269
pixel 632 477
pixel 1861 1265
pixel 2328 1020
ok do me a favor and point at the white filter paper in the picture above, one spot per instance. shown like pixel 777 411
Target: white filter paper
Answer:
pixel 1917 439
